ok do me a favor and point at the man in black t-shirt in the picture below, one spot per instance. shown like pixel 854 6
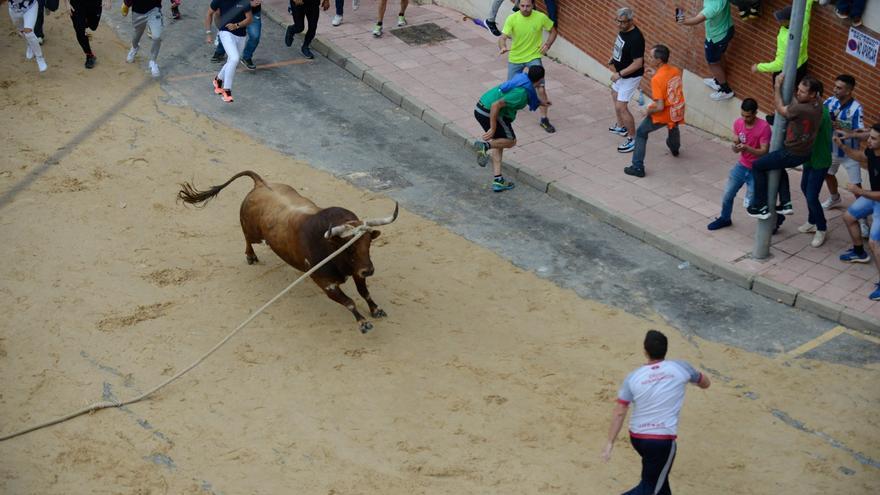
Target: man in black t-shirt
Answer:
pixel 867 203
pixel 628 60
pixel 146 13
pixel 233 17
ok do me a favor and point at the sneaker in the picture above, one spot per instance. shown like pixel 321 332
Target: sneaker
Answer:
pixel 482 152
pixel 288 35
pixel 719 223
pixel 500 185
pixel 785 209
pixel 175 12
pixel 626 146
pixel 218 57
pixel 831 202
pixel 842 15
pixel 712 83
pixel 762 213
pixel 744 15
pixel 355 4
pixel 337 20
pixel 307 52
pixel 377 30
pixel 807 228
pixel 29 54
pixel 818 238
pixel 218 85
pixel 90 61
pixel 41 64
pixel 875 296
pixel 780 219
pixel 856 21
pixel 41 38
pixel 852 257
pixel 248 63
pixel 754 13
pixel 226 95
pixel 721 95
pixel 154 68
pixel 493 28
pixel 547 126
pixel 131 54
pixel 634 171
pixel 865 230
pixel 675 152
pixel 401 21
pixel 617 129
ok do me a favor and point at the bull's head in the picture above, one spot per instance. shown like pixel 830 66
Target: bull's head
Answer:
pixel 358 255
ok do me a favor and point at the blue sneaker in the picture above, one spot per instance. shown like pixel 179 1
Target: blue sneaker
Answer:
pixel 617 129
pixel 852 257
pixel 875 296
pixel 501 185
pixel 627 146
pixel 719 223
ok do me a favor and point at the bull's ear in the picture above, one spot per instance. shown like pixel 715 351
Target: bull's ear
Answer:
pixel 374 234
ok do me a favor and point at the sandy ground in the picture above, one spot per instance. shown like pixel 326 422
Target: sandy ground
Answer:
pixel 484 379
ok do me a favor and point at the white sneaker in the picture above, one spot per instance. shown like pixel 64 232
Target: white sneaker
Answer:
pixel 831 202
pixel 818 238
pixel 721 95
pixel 131 54
pixel 29 54
pixel 865 230
pixel 41 64
pixel 154 68
pixel 355 4
pixel 337 20
pixel 710 81
pixel 807 228
pixel 401 21
pixel 377 30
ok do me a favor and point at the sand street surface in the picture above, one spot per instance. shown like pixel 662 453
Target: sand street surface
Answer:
pixel 483 379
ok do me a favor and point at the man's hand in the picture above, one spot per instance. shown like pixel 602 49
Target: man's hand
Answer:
pixel 615 76
pixel 837 140
pixel 650 71
pixel 502 50
pixel 545 48
pixel 754 67
pixel 325 4
pixel 737 147
pixel 855 189
pixel 489 134
pixel 606 452
pixel 232 26
pixel 779 79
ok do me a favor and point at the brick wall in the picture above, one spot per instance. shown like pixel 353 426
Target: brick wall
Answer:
pixel 589 24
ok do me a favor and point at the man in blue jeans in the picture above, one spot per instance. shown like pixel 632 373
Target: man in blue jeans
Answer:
pixel 253 39
pixel 804 115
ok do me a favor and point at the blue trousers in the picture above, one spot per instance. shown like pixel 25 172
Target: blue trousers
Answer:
pixel 657 458
pixel 811 184
pixel 254 30
pixel 780 159
pixel 673 140
pixel 739 175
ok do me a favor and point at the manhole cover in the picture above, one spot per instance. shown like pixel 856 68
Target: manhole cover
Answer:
pixel 422 34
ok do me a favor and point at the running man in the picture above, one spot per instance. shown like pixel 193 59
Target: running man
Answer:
pixel 86 14
pixel 401 20
pixel 233 17
pixel 656 391
pixel 24 17
pixel 146 13
pixel 302 11
pixel 526 29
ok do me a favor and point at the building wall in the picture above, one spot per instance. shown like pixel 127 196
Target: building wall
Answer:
pixel 587 27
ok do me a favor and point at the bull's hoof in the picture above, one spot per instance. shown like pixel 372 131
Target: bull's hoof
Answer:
pixel 252 259
pixel 366 326
pixel 379 313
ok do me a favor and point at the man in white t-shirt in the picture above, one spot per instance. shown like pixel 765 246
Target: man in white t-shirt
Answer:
pixel 656 391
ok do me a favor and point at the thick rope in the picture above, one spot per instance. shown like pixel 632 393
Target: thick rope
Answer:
pixel 359 231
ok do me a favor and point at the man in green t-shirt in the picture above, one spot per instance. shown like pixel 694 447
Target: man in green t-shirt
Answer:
pixel 496 111
pixel 719 32
pixel 526 29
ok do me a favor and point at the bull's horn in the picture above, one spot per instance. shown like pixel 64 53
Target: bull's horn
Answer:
pixel 336 231
pixel 375 222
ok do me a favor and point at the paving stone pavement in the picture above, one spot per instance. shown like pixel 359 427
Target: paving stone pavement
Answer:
pixel 669 208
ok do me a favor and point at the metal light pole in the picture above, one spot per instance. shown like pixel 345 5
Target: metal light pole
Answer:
pixel 764 230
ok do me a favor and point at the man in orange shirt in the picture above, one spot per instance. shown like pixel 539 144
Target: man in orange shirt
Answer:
pixel 666 109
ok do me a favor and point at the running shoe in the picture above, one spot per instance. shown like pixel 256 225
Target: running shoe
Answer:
pixel 482 152
pixel 131 55
pixel 226 95
pixel 831 202
pixel 856 21
pixel 41 64
pixel 90 61
pixel 248 63
pixel 337 20
pixel 762 213
pixel 493 28
pixel 175 12
pixel 785 209
pixel 807 228
pixel 307 52
pixel 841 14
pixel 377 30
pixel 634 171
pixel 218 85
pixel 712 83
pixel 617 129
pixel 154 68
pixel 719 223
pixel 818 238
pixel 626 146
pixel 401 21
pixel 29 54
pixel 875 296
pixel 501 184
pixel 288 35
pixel 721 95
pixel 547 126
pixel 852 257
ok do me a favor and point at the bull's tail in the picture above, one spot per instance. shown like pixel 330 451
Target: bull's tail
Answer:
pixel 191 195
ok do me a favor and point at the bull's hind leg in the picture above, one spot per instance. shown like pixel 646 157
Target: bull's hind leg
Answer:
pixel 251 236
pixel 335 293
pixel 375 310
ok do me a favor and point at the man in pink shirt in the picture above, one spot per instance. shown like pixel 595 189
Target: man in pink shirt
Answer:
pixel 751 140
pixel 656 391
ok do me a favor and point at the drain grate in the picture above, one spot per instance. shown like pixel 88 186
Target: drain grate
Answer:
pixel 422 34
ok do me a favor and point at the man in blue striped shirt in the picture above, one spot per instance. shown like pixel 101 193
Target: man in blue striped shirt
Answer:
pixel 846 115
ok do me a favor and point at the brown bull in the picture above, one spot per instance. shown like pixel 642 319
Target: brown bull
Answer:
pixel 302 234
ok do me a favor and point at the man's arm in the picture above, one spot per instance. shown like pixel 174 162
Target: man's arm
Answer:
pixel 765 147
pixel 856 155
pixel 636 64
pixel 550 40
pixel 617 418
pixel 777 97
pixel 209 18
pixel 502 44
pixel 693 21
pixel 494 111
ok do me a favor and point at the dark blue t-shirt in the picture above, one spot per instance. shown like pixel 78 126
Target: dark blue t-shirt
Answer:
pixel 231 11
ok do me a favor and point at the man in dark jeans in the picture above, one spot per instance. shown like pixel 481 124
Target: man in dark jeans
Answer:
pixel 804 115
pixel 302 11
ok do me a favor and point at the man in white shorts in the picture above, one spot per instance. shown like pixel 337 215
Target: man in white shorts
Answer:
pixel 656 391
pixel 24 17
pixel 628 60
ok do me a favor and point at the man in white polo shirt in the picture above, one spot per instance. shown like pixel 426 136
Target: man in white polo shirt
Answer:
pixel 656 391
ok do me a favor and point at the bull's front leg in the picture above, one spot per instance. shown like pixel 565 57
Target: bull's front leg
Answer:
pixel 335 293
pixel 375 310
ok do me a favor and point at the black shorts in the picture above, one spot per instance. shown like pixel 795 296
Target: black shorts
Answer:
pixel 504 129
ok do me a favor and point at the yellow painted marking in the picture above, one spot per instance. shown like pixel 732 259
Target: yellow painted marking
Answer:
pixel 296 61
pixel 809 346
pixel 860 335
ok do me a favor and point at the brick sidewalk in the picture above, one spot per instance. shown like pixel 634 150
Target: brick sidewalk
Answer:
pixel 675 201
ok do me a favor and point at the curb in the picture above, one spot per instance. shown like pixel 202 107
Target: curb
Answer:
pixel 756 283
